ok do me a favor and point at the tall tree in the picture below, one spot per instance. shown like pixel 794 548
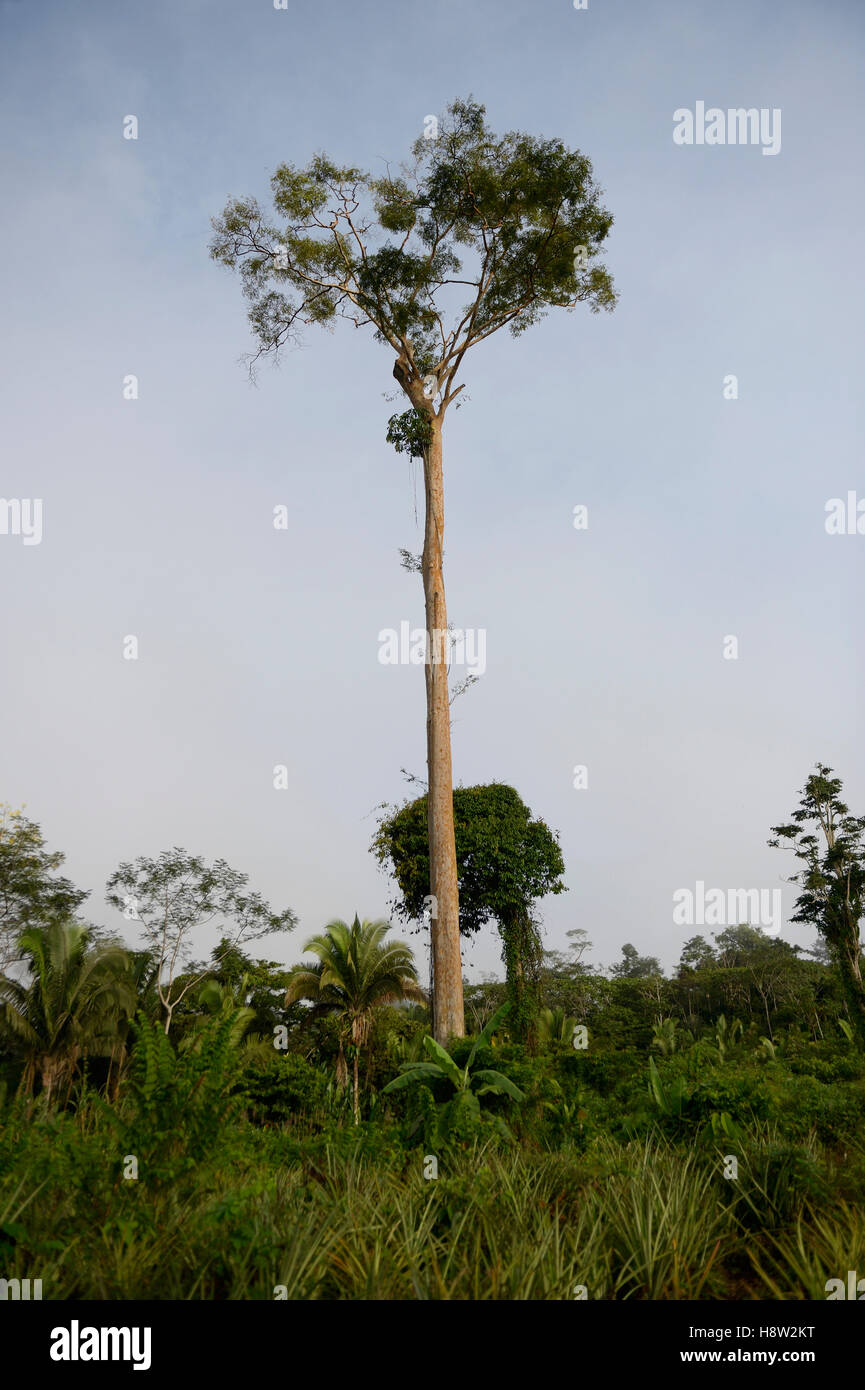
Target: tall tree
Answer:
pixel 737 945
pixel 697 954
pixel 570 962
pixel 506 861
pixel 476 233
pixel 355 973
pixel 174 896
pixel 633 966
pixel 30 890
pixel 830 843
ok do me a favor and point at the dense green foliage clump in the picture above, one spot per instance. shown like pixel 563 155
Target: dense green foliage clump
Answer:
pixel 610 1174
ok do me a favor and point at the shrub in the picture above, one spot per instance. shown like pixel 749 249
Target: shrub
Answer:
pixel 279 1088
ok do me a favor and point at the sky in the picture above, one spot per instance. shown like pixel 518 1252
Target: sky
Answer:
pixel 606 647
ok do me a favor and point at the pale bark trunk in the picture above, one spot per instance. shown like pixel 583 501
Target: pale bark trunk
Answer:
pixel 50 1074
pixel 448 1016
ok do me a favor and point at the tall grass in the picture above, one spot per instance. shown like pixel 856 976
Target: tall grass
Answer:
pixel 262 1220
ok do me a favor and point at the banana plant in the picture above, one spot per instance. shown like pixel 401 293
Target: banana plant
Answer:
pixel 567 1113
pixel 554 1025
pixel 671 1099
pixel 402 1049
pixel 665 1037
pixel 469 1084
pixel 724 1126
pixel 765 1050
pixel 726 1036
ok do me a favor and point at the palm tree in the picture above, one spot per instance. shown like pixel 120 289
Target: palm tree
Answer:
pixel 554 1025
pixel 72 1005
pixel 355 972
pixel 143 972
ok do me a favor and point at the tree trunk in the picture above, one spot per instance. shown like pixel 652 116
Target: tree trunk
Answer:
pixel 448 1015
pixel 356 1105
pixel 50 1072
pixel 851 976
pixel 341 1068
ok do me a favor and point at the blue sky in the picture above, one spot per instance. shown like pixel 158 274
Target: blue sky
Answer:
pixel 259 647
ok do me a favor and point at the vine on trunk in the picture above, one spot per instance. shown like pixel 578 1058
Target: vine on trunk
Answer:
pixel 409 432
pixel 522 954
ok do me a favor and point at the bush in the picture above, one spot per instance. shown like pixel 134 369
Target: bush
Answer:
pixel 277 1089
pixel 176 1104
pixel 743 1095
pixel 833 1112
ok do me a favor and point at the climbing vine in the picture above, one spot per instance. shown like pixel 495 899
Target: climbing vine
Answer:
pixel 409 433
pixel 506 862
pixel 522 953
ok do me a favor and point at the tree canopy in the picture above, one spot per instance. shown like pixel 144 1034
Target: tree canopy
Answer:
pixel 633 966
pixel 514 218
pixel 506 860
pixel 173 896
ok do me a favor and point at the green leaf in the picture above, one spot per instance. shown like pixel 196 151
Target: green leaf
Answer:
pixel 464 1107
pixel 655 1085
pixel 414 1071
pixel 446 1062
pixel 488 1030
pixel 501 1085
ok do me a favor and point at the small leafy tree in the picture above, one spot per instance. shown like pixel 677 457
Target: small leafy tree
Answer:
pixel 479 232
pixel 830 844
pixel 176 895
pixel 30 891
pixel 463 1109
pixel 356 972
pixel 506 860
